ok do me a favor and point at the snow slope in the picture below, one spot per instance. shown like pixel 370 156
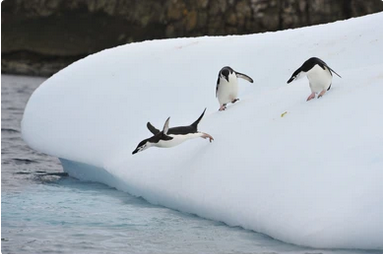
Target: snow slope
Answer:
pixel 312 177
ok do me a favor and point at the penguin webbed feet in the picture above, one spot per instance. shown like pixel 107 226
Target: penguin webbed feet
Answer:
pixel 321 93
pixel 207 136
pixel 222 108
pixel 312 96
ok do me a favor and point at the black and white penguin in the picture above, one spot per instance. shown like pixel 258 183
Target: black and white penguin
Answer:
pixel 227 86
pixel 319 75
pixel 170 137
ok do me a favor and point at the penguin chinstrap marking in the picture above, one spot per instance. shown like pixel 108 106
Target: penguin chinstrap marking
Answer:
pixel 319 75
pixel 170 137
pixel 227 86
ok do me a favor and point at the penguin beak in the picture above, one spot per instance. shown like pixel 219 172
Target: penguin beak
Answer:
pixel 291 79
pixel 135 151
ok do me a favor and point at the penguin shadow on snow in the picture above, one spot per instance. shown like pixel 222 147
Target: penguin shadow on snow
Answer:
pixel 226 89
pixel 319 75
pixel 170 137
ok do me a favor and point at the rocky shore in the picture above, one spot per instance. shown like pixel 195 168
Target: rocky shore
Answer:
pixel 40 37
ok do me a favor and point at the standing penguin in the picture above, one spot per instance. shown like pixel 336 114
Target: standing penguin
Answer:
pixel 170 137
pixel 319 75
pixel 227 86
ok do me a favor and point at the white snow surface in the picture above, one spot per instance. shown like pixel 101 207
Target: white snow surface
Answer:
pixel 313 177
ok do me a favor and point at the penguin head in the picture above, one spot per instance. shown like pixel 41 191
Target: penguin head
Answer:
pixel 225 72
pixel 143 145
pixel 149 142
pixel 295 75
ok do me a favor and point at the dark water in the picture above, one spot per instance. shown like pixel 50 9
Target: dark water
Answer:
pixel 20 164
pixel 45 211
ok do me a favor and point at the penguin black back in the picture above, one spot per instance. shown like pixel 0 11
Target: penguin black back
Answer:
pixel 181 130
pixel 193 128
pixel 308 65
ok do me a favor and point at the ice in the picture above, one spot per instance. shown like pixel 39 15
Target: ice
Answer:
pixel 307 173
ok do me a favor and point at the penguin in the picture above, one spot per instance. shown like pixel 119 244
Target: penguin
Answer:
pixel 170 137
pixel 319 75
pixel 227 86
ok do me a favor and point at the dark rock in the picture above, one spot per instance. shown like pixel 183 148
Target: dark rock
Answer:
pixel 39 37
pixel 191 21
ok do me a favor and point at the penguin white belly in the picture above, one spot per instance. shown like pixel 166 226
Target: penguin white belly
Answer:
pixel 177 139
pixel 319 79
pixel 227 91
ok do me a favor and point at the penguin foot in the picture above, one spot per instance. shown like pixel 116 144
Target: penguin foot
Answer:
pixel 321 93
pixel 235 100
pixel 222 108
pixel 205 136
pixel 312 96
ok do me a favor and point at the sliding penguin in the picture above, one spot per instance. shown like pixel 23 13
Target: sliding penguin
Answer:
pixel 170 137
pixel 227 86
pixel 319 75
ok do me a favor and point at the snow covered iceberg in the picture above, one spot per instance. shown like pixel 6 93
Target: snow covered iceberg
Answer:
pixel 308 173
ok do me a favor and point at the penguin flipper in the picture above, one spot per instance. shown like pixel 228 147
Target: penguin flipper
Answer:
pixel 323 65
pixel 152 129
pixel 166 126
pixel 216 88
pixel 333 71
pixel 195 124
pixel 166 137
pixel 244 76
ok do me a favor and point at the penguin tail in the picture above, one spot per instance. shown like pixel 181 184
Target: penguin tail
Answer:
pixel 195 124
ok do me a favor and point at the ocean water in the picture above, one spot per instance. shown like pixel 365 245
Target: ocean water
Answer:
pixel 45 211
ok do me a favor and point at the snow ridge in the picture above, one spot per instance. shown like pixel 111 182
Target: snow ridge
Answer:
pixel 308 173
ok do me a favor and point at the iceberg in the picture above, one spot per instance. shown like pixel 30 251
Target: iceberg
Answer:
pixel 306 173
